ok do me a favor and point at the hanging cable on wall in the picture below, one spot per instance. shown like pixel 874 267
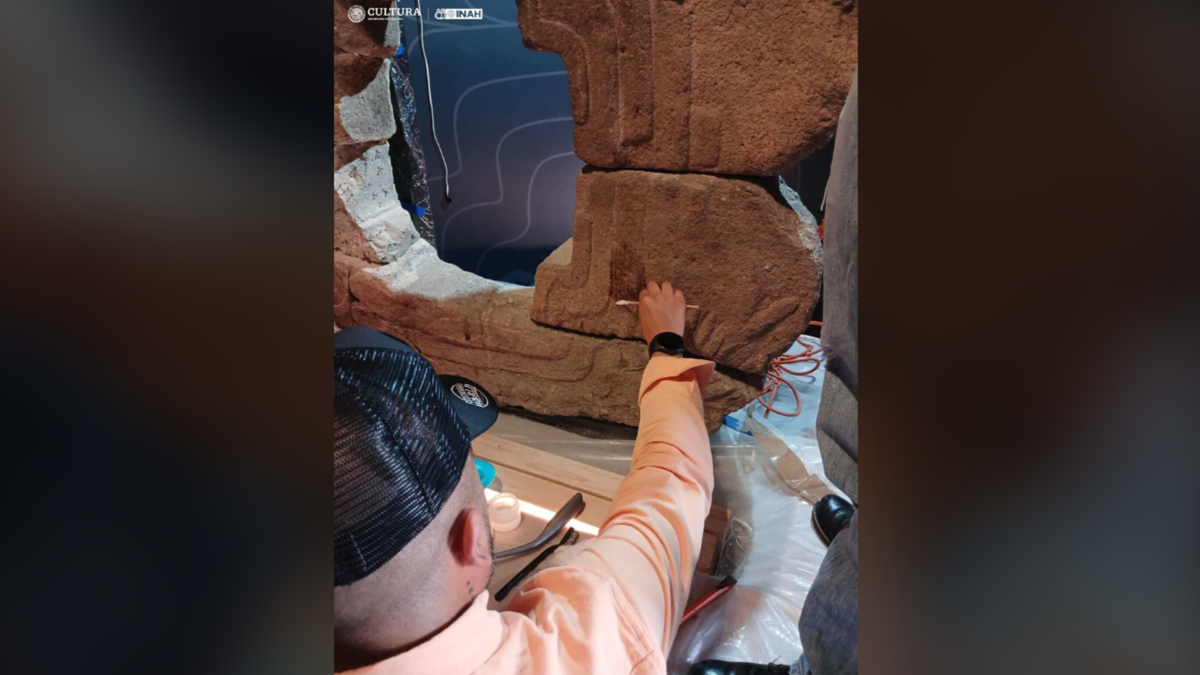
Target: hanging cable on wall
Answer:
pixel 429 90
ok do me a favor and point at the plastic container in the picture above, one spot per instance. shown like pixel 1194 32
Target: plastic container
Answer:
pixel 487 472
pixel 504 511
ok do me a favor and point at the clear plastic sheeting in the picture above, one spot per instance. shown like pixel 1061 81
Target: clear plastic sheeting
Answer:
pixel 801 469
pixel 757 619
pixel 799 432
pixel 735 548
pixel 745 624
pixel 768 479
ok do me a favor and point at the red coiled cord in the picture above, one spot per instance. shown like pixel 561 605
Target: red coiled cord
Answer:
pixel 779 366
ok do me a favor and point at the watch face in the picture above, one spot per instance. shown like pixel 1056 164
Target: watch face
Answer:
pixel 670 341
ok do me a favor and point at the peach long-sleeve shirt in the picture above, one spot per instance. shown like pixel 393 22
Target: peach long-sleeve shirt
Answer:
pixel 615 606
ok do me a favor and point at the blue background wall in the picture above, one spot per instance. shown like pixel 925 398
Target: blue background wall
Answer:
pixel 503 116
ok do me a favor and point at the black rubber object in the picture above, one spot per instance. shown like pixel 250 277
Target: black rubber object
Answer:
pixel 830 514
pixel 715 667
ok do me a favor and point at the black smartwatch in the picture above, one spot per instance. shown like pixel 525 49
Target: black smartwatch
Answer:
pixel 668 343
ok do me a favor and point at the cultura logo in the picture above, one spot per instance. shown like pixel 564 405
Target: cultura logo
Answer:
pixel 357 14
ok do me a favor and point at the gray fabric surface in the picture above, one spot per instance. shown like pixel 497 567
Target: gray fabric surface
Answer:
pixel 829 619
pixel 837 419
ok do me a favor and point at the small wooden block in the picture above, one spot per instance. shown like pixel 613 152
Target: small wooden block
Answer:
pixel 717 521
pixel 714 533
pixel 708 554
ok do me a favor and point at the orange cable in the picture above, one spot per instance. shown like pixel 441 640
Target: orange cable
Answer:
pixel 779 366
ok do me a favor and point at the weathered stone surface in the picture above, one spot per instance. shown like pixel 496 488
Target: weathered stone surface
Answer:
pixel 469 326
pixel 734 246
pixel 343 267
pixel 362 102
pixel 747 87
pixel 366 38
pixel 368 221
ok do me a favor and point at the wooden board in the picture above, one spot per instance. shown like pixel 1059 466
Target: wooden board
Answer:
pixel 576 476
pixel 548 480
pixel 548 495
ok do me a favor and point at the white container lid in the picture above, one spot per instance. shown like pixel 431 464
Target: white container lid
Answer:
pixel 504 511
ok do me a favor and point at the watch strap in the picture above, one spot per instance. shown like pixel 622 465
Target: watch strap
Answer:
pixel 663 343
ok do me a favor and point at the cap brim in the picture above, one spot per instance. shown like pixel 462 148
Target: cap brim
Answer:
pixel 474 405
pixel 363 337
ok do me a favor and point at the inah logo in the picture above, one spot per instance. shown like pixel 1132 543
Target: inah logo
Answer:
pixel 447 14
pixel 470 394
pixel 357 13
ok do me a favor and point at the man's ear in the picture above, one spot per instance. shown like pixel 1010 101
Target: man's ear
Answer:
pixel 471 545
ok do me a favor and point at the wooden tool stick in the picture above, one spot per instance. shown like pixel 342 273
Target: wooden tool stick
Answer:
pixel 624 303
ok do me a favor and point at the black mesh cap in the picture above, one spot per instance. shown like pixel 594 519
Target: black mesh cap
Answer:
pixel 399 449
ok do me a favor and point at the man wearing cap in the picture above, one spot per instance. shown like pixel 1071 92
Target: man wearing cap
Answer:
pixel 413 548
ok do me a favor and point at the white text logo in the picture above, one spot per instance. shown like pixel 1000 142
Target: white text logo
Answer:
pixel 457 14
pixel 469 393
pixel 357 13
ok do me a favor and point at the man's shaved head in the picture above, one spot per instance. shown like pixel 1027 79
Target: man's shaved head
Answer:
pixel 423 587
pixel 412 546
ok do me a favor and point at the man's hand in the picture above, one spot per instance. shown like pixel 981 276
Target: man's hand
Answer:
pixel 660 310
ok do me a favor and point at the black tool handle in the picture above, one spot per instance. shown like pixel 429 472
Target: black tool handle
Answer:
pixel 525 571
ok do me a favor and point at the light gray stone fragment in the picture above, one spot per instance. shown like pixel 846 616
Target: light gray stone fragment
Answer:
pixel 362 102
pixel 421 272
pixel 368 221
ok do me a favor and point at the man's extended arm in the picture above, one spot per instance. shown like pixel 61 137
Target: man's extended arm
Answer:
pixel 651 540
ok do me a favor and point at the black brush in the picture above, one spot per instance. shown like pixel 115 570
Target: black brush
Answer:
pixel 572 508
pixel 569 538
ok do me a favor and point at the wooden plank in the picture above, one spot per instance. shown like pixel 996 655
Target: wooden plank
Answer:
pixel 714 533
pixel 708 553
pixel 717 520
pixel 547 480
pixel 548 495
pixel 577 476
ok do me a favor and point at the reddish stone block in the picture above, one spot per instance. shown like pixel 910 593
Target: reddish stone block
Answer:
pixel 736 248
pixel 469 326
pixel 718 86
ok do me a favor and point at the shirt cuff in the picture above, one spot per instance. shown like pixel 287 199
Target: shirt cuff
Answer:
pixel 670 368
